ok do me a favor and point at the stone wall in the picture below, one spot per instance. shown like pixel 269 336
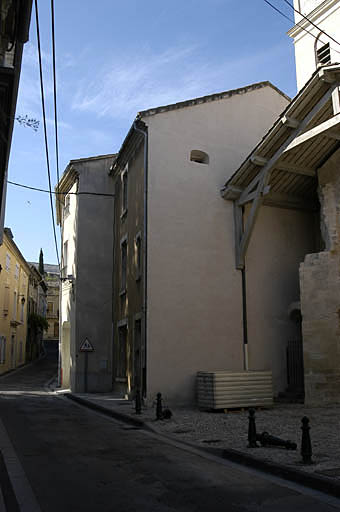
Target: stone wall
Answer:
pixel 320 296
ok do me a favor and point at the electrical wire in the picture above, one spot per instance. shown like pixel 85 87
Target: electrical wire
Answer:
pixel 45 129
pixel 60 193
pixel 55 93
pixel 292 21
pixel 311 22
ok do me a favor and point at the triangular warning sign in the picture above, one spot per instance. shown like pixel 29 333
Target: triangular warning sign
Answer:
pixel 86 346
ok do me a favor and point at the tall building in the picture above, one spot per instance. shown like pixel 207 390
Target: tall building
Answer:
pixel 14 282
pixel 85 213
pixel 316 29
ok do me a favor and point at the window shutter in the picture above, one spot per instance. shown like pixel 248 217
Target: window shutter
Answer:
pixel 6 299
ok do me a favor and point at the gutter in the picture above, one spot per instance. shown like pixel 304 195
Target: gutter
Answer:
pixel 144 132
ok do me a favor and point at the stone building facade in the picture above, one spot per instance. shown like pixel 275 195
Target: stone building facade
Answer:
pixel 52 278
pixel 320 296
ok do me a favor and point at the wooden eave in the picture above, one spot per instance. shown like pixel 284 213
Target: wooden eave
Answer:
pixel 282 169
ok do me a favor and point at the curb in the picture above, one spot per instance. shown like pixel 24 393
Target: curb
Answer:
pixel 108 412
pixel 318 483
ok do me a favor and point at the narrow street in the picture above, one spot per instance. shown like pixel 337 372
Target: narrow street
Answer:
pixel 77 460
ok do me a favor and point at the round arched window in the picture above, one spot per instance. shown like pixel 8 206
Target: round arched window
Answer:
pixel 199 156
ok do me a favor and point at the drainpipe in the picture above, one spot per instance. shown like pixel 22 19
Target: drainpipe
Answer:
pixel 113 353
pixel 145 220
pixel 244 312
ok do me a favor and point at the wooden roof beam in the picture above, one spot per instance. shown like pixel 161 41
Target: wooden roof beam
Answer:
pixel 261 180
pixel 331 134
pixel 326 76
pixel 336 101
pixel 293 169
pixel 289 122
pixel 321 129
pixel 290 140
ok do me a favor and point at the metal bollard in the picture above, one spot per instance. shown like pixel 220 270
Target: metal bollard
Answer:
pixel 252 430
pixel 306 445
pixel 269 440
pixel 138 402
pixel 159 407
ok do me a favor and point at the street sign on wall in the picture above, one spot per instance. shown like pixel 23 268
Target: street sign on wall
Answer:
pixel 86 346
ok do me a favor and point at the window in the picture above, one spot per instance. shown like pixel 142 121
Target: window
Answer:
pixel 65 251
pixel 17 268
pixel 2 349
pixel 199 157
pixel 20 351
pixel 8 262
pixel 124 189
pixel 67 205
pixel 322 51
pixel 6 299
pixel 122 352
pixel 323 55
pixel 56 330
pixel 123 277
pixel 138 243
pixel 22 310
pixel 50 308
pixel 14 305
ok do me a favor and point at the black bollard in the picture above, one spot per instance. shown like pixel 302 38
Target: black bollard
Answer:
pixel 138 402
pixel 159 408
pixel 306 445
pixel 269 440
pixel 252 430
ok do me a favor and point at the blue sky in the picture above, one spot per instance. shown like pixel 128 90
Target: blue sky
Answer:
pixel 115 58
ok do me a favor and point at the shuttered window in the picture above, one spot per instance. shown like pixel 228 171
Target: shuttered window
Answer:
pixel 6 299
pixel 2 349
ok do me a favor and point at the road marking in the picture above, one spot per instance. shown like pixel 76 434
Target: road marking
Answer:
pixel 21 486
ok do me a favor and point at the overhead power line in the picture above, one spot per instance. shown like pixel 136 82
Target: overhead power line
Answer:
pixel 311 22
pixel 55 92
pixel 60 193
pixel 45 129
pixel 292 21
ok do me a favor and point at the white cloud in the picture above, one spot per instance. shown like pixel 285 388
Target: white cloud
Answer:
pixel 142 81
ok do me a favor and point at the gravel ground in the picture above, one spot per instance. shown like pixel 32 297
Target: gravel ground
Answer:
pixel 230 430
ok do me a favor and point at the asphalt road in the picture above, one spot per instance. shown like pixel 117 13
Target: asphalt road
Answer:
pixel 77 460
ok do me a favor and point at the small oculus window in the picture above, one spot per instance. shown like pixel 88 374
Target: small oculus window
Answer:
pixel 199 156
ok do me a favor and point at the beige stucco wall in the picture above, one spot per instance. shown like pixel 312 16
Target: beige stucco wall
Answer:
pixel 278 244
pixel 326 15
pixel 320 297
pixel 194 317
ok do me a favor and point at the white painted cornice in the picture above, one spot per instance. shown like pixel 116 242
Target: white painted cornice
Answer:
pixel 313 16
